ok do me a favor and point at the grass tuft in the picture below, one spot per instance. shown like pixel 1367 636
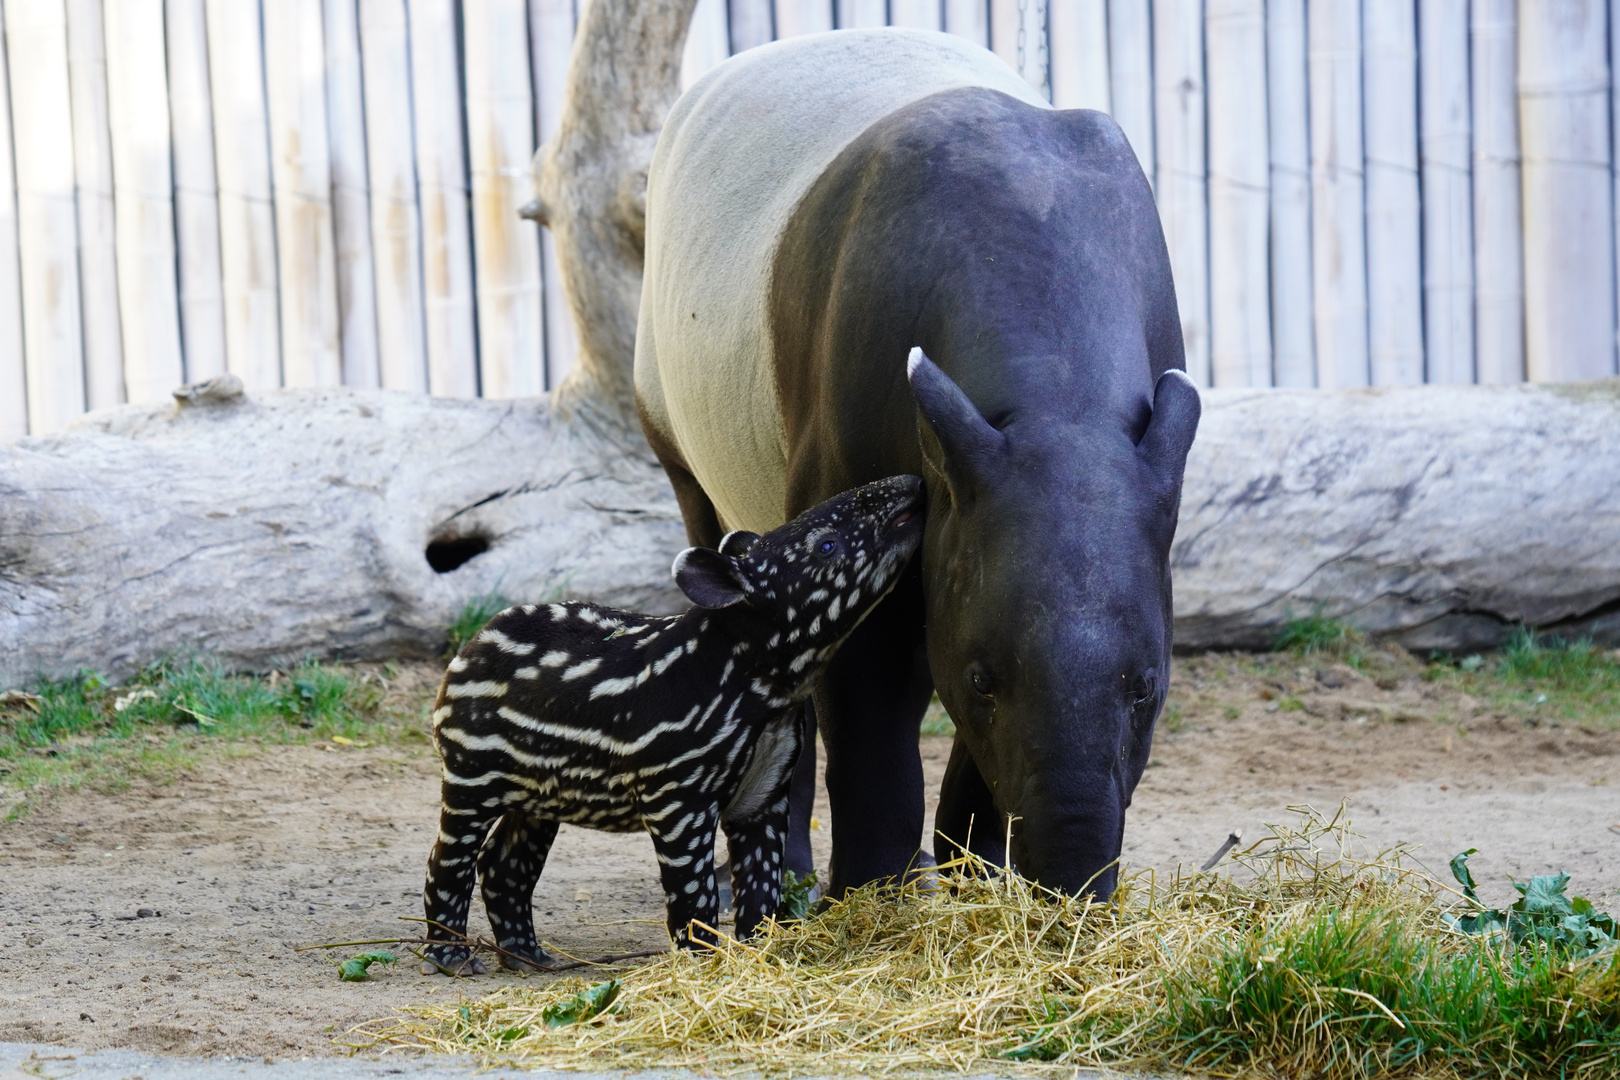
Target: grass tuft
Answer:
pixel 1304 960
pixel 79 730
pixel 474 614
pixel 1318 634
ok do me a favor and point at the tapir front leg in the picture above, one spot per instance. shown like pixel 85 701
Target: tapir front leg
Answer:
pixel 870 704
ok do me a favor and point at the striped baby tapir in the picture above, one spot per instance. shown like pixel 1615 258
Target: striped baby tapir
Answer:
pixel 680 725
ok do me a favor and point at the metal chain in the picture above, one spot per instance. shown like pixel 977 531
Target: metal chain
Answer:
pixel 1023 16
pixel 1043 55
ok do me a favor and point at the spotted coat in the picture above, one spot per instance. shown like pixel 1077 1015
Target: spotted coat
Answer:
pixel 679 725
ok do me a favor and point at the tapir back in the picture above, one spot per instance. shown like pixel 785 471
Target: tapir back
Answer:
pixel 736 155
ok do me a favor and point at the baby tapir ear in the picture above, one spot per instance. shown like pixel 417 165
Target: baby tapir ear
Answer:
pixel 737 542
pixel 708 578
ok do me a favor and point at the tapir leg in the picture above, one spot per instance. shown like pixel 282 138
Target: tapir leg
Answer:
pixel 802 797
pixel 869 706
pixel 967 812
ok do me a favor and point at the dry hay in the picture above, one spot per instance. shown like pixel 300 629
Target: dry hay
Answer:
pixel 986 970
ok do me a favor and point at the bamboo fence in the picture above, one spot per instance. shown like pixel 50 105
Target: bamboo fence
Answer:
pixel 312 192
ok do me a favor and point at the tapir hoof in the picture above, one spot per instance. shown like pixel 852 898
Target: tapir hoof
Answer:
pixel 526 960
pixel 470 966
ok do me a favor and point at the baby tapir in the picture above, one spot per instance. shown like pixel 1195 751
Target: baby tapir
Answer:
pixel 677 725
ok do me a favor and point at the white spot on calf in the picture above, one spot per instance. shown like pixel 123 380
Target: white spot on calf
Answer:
pixel 582 669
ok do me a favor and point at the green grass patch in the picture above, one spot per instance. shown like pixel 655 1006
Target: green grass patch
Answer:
pixel 936 721
pixel 1540 678
pixel 82 730
pixel 474 614
pixel 1319 634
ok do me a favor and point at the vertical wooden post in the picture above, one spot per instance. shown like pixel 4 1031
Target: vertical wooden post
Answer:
pixel 301 171
pixel 1338 212
pixel 48 236
pixel 917 14
pixel 196 191
pixel 1130 76
pixel 396 227
pixel 860 14
pixel 1498 224
pixel 1078 33
pixel 551 29
pixel 795 17
pixel 1568 219
pixel 1394 210
pixel 969 19
pixel 1178 110
pixel 441 170
pixel 13 380
pixel 1004 31
pixel 1293 337
pixel 138 100
pixel 1239 194
pixel 1448 204
pixel 751 24
pixel 707 43
pixel 92 167
pixel 247 224
pixel 500 139
pixel 351 195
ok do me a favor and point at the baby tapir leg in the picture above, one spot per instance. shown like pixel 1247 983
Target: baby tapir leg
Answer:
pixel 452 869
pixel 510 863
pixel 757 848
pixel 684 844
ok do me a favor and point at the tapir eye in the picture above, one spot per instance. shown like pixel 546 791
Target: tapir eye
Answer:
pixel 983 684
pixel 825 545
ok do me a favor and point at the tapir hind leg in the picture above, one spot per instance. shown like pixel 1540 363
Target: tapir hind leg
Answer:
pixel 869 705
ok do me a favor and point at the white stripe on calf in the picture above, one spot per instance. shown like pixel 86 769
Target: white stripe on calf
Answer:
pixel 506 644
pixel 588 737
pixel 475 689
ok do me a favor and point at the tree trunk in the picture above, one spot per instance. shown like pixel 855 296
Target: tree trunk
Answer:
pixel 591 187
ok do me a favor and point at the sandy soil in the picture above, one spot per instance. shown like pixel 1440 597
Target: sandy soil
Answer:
pixel 251 856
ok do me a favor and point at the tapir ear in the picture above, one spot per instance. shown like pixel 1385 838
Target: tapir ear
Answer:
pixel 737 542
pixel 956 439
pixel 1170 431
pixel 708 578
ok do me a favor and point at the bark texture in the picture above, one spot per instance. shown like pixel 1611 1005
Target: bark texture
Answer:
pixel 591 191
pixel 297 522
pixel 1440 516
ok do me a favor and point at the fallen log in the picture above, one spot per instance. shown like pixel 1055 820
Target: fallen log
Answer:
pixel 309 522
pixel 325 523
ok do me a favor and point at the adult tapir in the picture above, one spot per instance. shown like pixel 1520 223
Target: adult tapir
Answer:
pixel 818 209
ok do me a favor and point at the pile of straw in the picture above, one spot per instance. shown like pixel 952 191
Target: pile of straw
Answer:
pixel 985 969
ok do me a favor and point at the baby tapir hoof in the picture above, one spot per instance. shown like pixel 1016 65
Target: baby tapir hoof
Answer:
pixel 470 966
pixel 533 960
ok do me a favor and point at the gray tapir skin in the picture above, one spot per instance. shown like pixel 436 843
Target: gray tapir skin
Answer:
pixel 974 288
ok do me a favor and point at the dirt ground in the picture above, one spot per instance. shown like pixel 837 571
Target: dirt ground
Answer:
pixel 166 918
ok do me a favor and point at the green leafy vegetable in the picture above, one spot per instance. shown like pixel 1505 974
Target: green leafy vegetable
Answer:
pixel 798 896
pixel 592 1001
pixel 357 968
pixel 1543 913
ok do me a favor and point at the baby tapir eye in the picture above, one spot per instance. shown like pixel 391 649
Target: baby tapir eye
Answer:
pixel 825 544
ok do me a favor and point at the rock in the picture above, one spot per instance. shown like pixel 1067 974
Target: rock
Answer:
pixel 1440 516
